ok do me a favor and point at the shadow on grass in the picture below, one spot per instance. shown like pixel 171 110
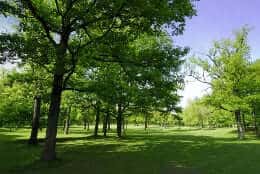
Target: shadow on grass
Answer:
pixel 149 154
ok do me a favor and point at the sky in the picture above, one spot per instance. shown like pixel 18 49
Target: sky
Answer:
pixel 215 20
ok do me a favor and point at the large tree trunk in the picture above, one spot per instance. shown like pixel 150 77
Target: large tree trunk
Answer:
pixel 97 120
pixel 119 120
pixel 240 127
pixel 49 151
pixel 67 123
pixel 35 121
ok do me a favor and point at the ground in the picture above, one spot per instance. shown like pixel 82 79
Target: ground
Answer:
pixel 156 151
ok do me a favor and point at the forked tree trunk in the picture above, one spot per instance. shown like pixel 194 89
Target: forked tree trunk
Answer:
pixel 119 120
pixel 35 120
pixel 97 120
pixel 240 127
pixel 49 151
pixel 67 122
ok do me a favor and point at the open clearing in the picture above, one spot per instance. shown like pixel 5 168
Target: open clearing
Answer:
pixel 154 151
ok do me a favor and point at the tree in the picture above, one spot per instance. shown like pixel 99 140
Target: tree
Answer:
pixel 196 114
pixel 71 26
pixel 227 67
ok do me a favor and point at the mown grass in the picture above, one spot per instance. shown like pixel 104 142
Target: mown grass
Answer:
pixel 156 151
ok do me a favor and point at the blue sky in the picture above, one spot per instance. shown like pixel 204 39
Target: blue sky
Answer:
pixel 217 19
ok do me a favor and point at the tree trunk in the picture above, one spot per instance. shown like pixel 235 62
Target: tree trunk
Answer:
pixel 67 123
pixel 240 128
pixel 119 120
pixel 257 133
pixel 106 118
pixel 202 123
pixel 85 123
pixel 126 124
pixel 109 123
pixel 36 120
pixel 97 120
pixel 145 122
pixel 244 121
pixel 49 151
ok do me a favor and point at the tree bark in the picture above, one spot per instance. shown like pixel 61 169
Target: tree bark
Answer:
pixel 97 120
pixel 35 121
pixel 49 151
pixel 67 123
pixel 119 120
pixel 240 127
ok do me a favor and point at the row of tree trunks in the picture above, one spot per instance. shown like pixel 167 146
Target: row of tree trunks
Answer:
pixel 35 121
pixel 86 124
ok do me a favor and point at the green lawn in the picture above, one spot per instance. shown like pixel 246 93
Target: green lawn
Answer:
pixel 169 151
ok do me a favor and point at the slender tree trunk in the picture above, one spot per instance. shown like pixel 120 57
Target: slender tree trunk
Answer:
pixel 85 123
pixel 109 123
pixel 202 123
pixel 119 120
pixel 244 121
pixel 36 120
pixel 67 123
pixel 256 125
pixel 240 127
pixel 106 118
pixel 49 151
pixel 64 125
pixel 145 121
pixel 97 120
pixel 126 124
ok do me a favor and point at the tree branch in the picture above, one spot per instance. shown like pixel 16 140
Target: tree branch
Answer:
pixel 44 23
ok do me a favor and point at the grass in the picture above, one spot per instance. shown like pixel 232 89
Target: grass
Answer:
pixel 157 151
